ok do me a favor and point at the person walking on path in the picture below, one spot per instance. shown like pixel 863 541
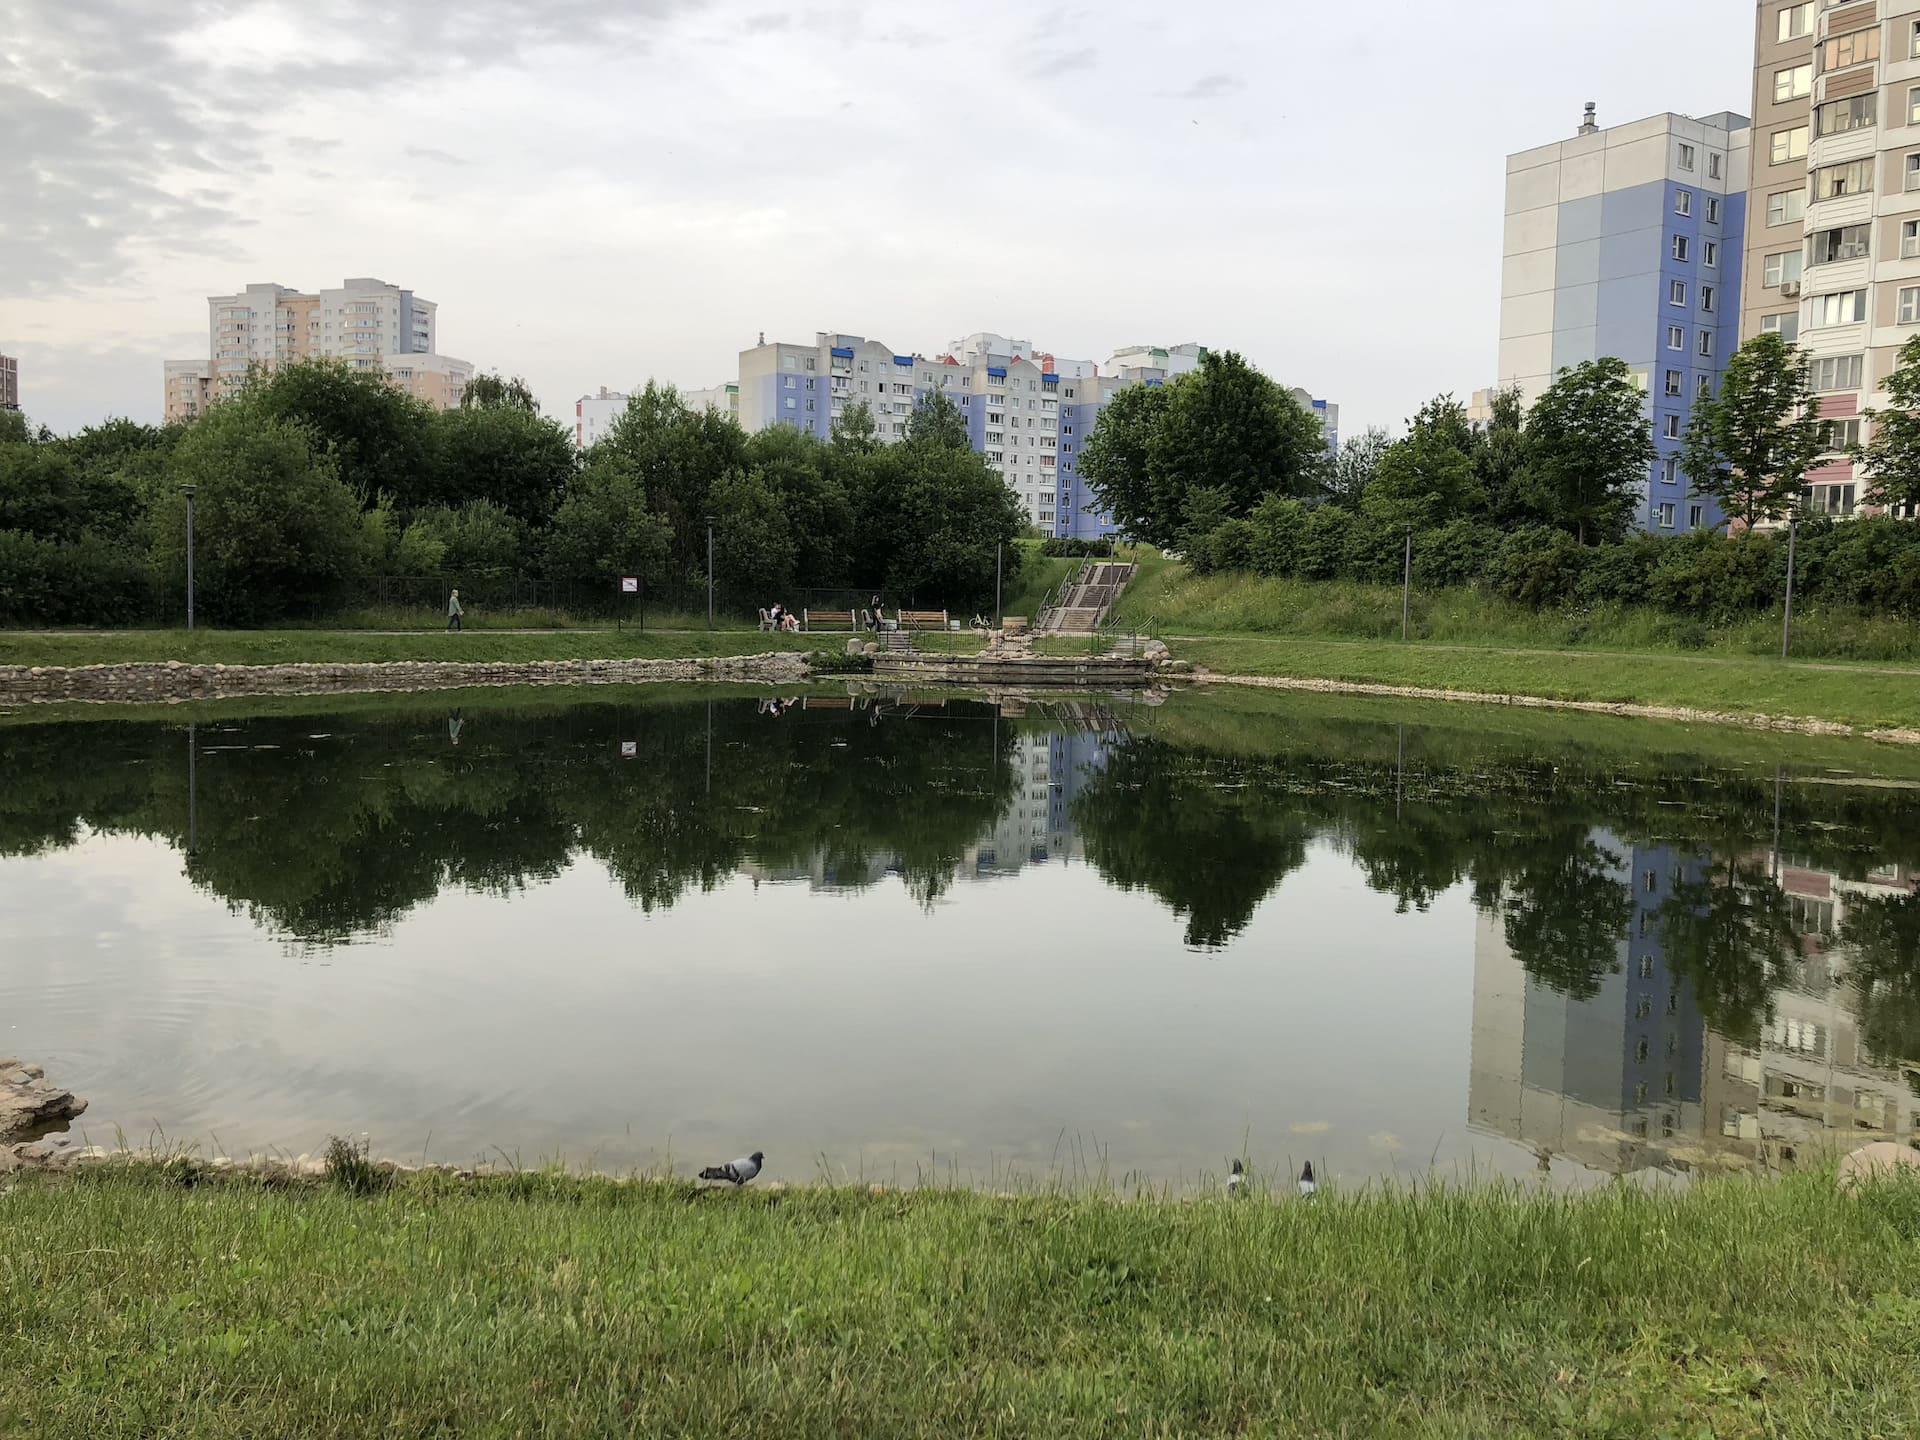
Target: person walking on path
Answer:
pixel 454 612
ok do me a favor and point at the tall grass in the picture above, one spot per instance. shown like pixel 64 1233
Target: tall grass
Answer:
pixel 1175 601
pixel 135 1303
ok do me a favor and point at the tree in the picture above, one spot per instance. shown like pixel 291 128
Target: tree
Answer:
pixel 936 420
pixel 377 435
pixel 277 532
pixel 1115 462
pixel 476 538
pixel 1750 445
pixel 929 520
pixel 1226 424
pixel 854 431
pixel 811 491
pixel 754 545
pixel 1354 466
pixel 1427 478
pixel 676 456
pixel 1892 456
pixel 1588 447
pixel 512 457
pixel 1500 462
pixel 492 392
pixel 604 529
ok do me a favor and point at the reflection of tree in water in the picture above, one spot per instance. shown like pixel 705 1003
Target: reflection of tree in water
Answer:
pixel 1565 911
pixel 1883 935
pixel 1729 929
pixel 329 827
pixel 1211 839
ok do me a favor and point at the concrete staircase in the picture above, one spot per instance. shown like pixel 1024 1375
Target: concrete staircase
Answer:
pixel 1086 598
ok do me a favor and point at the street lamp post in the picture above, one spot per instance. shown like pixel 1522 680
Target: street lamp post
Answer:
pixel 1406 585
pixel 188 491
pixel 709 572
pixel 1786 624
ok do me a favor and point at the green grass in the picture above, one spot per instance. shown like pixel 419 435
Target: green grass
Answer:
pixel 1867 697
pixel 133 1304
pixel 1169 599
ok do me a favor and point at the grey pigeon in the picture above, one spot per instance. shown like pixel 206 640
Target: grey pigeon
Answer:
pixel 739 1172
pixel 1307 1185
pixel 1236 1182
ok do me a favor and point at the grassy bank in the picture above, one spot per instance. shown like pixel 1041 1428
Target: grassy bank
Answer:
pixel 272 647
pixel 131 1305
pixel 1170 599
pixel 1869 697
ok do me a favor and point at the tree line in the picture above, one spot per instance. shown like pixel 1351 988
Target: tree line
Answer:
pixel 1538 504
pixel 315 478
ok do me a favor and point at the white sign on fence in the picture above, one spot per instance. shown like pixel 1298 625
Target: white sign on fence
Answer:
pixel 629 584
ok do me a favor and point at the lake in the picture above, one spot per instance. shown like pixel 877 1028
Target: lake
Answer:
pixel 991 942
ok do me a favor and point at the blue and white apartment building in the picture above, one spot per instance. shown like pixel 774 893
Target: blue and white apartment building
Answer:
pixel 1628 242
pixel 1027 412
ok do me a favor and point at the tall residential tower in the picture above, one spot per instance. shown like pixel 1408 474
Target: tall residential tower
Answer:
pixel 1628 242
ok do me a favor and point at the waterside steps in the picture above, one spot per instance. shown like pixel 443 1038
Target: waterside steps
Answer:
pixel 1082 672
pixel 1084 598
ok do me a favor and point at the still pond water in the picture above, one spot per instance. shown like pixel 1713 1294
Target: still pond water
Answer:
pixel 979 942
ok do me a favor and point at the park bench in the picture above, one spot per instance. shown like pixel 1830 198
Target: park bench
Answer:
pixel 827 620
pixel 923 619
pixel 826 702
pixel 1013 625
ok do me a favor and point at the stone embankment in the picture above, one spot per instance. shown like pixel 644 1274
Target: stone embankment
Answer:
pixel 172 680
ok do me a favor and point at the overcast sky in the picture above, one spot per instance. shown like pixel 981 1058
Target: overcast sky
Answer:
pixel 598 191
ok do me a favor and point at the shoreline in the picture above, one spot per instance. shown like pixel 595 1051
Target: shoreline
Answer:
pixel 1788 724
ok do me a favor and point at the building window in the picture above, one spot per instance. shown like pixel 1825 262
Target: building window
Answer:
pixel 1856 47
pixel 1695 517
pixel 1710 254
pixel 1670 426
pixel 1686 157
pixel 1674 382
pixel 1855 177
pixel 1702 385
pixel 1663 517
pixel 1676 337
pixel 1836 372
pixel 1676 292
pixel 1843 307
pixel 1707 298
pixel 1909 313
pixel 1793 83
pixel 1713 165
pixel 1784 207
pixel 1683 202
pixel 1786 326
pixel 1847 242
pixel 1682 248
pixel 1795 21
pixel 1704 344
pixel 1909 239
pixel 1855 113
pixel 1669 471
pixel 1789 144
pixel 1780 269
pixel 1913 105
pixel 1840 436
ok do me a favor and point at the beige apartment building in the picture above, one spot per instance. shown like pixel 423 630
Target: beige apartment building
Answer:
pixel 367 323
pixel 187 386
pixel 9 383
pixel 1833 219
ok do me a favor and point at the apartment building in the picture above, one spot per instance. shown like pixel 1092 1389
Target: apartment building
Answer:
pixel 1629 242
pixel 188 389
pixel 724 398
pixel 1833 251
pixel 9 383
pixel 368 323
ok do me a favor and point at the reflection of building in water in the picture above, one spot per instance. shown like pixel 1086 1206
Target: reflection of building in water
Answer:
pixel 1612 1080
pixel 1812 1085
pixel 1037 827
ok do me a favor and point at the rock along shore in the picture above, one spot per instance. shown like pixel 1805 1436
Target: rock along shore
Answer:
pixel 173 680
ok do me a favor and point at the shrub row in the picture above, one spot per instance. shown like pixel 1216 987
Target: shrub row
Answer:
pixel 89 581
pixel 1075 549
pixel 1868 564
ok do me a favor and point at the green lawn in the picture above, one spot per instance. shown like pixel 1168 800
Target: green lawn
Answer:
pixel 138 1305
pixel 1868 696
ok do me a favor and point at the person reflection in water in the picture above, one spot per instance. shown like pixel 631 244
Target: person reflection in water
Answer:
pixel 454 723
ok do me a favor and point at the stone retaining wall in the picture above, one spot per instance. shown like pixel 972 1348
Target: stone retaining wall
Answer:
pixel 20 684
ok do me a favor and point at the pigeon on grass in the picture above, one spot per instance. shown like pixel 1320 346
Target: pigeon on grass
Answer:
pixel 735 1172
pixel 1237 1181
pixel 1307 1184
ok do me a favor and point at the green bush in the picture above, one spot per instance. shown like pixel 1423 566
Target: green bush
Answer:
pixel 1280 528
pixel 1375 552
pixel 1871 564
pixel 88 581
pixel 1323 546
pixel 1620 573
pixel 1538 566
pixel 1454 554
pixel 1713 578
